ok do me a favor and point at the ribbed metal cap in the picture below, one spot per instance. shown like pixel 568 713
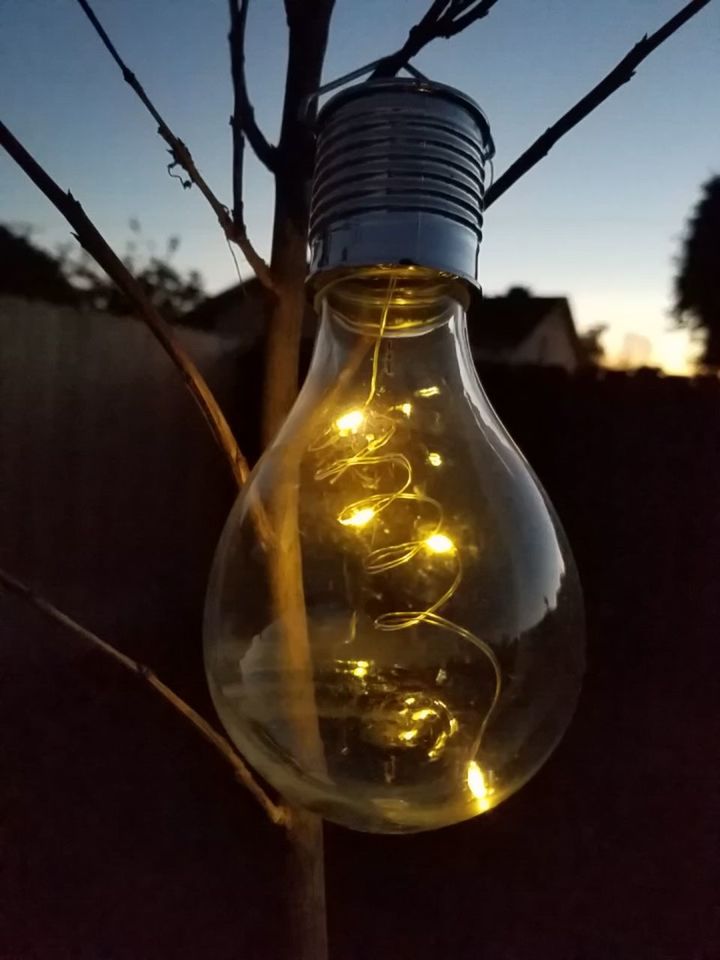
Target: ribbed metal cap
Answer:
pixel 399 179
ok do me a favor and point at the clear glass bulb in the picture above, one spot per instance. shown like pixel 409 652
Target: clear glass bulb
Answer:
pixel 394 630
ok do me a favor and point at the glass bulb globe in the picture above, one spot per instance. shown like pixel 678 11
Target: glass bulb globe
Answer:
pixel 393 629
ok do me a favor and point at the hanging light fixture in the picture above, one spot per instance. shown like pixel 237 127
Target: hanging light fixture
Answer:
pixel 393 630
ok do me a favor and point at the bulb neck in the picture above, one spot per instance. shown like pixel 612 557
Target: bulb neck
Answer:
pixel 391 302
pixel 388 335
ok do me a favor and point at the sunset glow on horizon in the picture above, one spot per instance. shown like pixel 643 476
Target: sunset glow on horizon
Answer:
pixel 599 220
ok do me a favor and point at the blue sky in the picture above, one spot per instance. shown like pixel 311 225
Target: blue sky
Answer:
pixel 599 220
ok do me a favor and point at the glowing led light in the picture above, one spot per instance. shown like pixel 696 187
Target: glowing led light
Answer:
pixel 405 408
pixel 434 459
pixel 359 518
pixel 361 669
pixel 437 749
pixel 439 543
pixel 350 422
pixel 409 735
pixel 477 785
pixel 423 714
pixel 427 392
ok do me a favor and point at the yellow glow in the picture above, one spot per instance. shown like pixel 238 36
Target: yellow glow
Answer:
pixel 477 786
pixel 440 543
pixel 409 735
pixel 359 518
pixel 437 748
pixel 381 493
pixel 675 355
pixel 350 422
pixel 423 714
pixel 674 352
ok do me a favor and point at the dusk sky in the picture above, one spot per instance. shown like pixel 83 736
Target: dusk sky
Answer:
pixel 600 219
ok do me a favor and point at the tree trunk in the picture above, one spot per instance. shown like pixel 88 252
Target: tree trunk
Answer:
pixel 308 23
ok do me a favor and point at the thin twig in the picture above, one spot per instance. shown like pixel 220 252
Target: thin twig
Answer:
pixel 444 18
pixel 456 21
pixel 95 244
pixel 233 228
pixel 619 75
pixel 276 813
pixel 243 119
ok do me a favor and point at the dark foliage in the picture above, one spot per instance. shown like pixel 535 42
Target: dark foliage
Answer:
pixel 31 273
pixel 171 291
pixel 591 340
pixel 697 285
pixel 73 278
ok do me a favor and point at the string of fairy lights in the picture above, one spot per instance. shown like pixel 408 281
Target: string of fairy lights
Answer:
pixel 359 442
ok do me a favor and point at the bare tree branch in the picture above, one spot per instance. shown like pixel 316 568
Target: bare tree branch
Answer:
pixel 243 119
pixel 236 39
pixel 465 14
pixel 619 75
pixel 308 22
pixel 91 239
pixel 233 228
pixel 276 813
pixel 444 18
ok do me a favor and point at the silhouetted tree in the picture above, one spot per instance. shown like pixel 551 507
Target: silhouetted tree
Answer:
pixel 26 271
pixel 697 285
pixel 172 291
pixel 592 347
pixel 72 277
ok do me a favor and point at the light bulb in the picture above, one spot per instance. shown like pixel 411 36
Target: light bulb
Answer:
pixel 393 627
pixel 393 630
